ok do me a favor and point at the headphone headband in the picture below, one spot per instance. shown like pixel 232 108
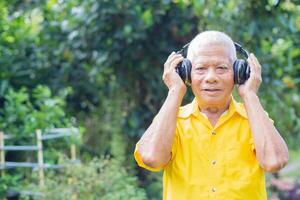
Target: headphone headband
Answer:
pixel 183 50
pixel 238 47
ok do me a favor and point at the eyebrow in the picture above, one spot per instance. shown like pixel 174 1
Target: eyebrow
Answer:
pixel 212 62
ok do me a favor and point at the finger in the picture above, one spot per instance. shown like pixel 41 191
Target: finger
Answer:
pixel 255 60
pixel 252 63
pixel 170 56
pixel 175 62
pixel 176 56
pixel 168 65
pixel 255 69
pixel 253 66
pixel 171 59
pixel 168 59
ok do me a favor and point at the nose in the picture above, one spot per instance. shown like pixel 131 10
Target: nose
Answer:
pixel 211 76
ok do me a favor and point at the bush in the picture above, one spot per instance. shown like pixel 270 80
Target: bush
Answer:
pixel 98 179
pixel 22 114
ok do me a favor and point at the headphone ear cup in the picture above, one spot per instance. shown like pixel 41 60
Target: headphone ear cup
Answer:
pixel 235 71
pixel 188 68
pixel 184 70
pixel 241 71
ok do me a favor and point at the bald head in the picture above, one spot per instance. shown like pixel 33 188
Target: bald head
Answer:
pixel 209 39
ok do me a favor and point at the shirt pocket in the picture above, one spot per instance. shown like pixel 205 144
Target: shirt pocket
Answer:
pixel 240 162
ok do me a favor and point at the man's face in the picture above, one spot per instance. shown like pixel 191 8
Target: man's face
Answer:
pixel 212 74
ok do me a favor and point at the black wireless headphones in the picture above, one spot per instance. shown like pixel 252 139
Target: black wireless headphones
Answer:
pixel 241 68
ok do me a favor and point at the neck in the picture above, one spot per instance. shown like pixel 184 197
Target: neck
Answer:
pixel 213 112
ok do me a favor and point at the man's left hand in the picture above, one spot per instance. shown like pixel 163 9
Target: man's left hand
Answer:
pixel 252 84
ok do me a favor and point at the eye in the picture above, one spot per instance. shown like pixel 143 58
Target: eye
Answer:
pixel 200 68
pixel 222 67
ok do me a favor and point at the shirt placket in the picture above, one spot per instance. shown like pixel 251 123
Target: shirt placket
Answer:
pixel 211 155
pixel 212 163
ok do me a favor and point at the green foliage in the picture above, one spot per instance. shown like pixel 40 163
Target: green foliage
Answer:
pixel 23 113
pixel 7 182
pixel 98 179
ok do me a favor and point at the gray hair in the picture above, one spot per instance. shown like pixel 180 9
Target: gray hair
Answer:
pixel 211 37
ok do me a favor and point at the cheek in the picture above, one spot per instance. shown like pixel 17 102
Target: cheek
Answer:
pixel 196 82
pixel 196 89
pixel 196 77
pixel 228 81
pixel 227 76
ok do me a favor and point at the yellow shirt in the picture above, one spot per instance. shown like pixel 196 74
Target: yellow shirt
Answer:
pixel 212 162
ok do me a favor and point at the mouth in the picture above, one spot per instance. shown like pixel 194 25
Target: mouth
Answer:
pixel 211 90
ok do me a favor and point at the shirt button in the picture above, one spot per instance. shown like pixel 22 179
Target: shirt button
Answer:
pixel 214 162
pixel 213 189
pixel 213 133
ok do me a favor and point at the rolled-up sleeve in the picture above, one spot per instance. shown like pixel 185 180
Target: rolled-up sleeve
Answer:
pixel 140 162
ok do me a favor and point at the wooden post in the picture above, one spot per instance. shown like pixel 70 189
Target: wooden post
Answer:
pixel 73 152
pixel 40 157
pixel 2 153
pixel 72 180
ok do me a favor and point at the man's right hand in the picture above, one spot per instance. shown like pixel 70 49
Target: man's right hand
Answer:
pixel 170 77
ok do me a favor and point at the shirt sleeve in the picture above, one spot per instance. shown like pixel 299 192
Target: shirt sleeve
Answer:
pixel 140 162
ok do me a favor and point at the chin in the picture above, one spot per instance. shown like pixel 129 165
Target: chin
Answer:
pixel 210 99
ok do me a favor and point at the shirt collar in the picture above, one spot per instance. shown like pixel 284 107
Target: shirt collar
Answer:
pixel 192 109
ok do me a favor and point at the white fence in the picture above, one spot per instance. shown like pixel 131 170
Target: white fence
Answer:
pixel 38 147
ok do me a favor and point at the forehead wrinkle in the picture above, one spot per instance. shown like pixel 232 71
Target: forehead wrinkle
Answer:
pixel 216 61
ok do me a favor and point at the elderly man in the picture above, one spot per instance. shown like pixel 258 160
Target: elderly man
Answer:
pixel 214 147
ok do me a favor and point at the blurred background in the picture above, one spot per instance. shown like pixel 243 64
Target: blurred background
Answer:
pixel 97 65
